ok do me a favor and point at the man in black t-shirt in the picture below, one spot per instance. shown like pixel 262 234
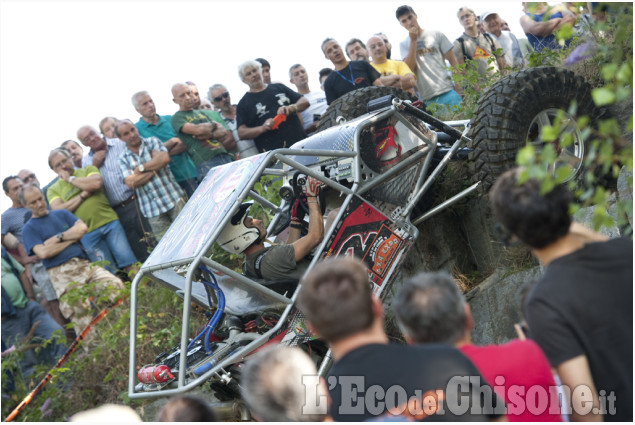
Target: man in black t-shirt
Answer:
pixel 373 378
pixel 581 311
pixel 346 76
pixel 260 105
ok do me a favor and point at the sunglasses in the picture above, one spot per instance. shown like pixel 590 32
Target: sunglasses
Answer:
pixel 221 97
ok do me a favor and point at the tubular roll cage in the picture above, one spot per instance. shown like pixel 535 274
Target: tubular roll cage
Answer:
pixel 400 215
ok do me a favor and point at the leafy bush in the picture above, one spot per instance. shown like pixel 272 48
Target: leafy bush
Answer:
pixel 99 374
pixel 607 148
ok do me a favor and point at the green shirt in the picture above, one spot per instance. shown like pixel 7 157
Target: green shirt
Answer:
pixel 11 283
pixel 95 210
pixel 200 150
pixel 278 262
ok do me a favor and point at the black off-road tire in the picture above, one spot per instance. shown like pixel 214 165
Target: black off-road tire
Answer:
pixel 353 104
pixel 501 123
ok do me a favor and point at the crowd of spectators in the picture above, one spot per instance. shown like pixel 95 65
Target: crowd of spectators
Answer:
pixel 115 201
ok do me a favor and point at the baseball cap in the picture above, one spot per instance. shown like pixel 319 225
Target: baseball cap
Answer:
pixel 486 14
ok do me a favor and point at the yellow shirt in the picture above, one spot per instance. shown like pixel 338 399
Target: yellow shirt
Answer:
pixel 391 67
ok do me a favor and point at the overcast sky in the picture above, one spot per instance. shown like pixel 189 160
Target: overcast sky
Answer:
pixel 67 64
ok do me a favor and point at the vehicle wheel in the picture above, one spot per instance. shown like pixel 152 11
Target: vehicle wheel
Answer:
pixel 353 104
pixel 513 111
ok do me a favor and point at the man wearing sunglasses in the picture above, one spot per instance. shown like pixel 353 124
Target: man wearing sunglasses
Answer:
pixel 204 132
pixel 220 98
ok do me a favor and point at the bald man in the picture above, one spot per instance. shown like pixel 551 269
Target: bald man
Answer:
pixel 204 133
pixel 393 73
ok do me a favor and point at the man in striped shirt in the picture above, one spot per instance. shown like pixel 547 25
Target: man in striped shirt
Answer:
pixel 144 166
pixel 104 154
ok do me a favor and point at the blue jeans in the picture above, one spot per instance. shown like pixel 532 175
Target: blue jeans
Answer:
pixel 109 242
pixel 203 169
pixel 17 326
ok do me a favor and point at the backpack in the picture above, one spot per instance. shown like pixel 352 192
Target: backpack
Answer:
pixel 487 36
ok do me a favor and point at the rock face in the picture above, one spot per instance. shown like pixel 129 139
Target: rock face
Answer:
pixel 463 242
pixel 495 306
pixel 494 302
pixel 460 239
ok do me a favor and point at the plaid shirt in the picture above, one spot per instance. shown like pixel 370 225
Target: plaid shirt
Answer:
pixel 114 187
pixel 161 193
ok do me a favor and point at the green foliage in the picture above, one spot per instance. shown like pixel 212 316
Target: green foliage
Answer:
pixel 607 151
pixel 98 373
pixel 473 84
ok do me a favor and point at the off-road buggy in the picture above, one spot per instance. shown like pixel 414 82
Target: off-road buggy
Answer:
pixel 376 168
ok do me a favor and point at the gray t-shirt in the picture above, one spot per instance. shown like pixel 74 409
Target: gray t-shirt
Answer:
pixel 278 262
pixel 432 77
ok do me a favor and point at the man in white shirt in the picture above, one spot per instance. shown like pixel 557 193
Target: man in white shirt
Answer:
pixel 493 25
pixel 317 99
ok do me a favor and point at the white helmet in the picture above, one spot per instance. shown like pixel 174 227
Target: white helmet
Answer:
pixel 236 237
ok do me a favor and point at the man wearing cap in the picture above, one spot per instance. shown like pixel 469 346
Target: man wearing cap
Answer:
pixel 513 55
pixel 477 47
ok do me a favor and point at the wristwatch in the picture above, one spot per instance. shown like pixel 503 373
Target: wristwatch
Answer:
pixel 142 168
pixel 60 236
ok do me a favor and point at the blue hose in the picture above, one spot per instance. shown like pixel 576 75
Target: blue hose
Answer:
pixel 213 322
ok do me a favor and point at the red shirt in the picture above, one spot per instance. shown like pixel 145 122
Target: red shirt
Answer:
pixel 520 374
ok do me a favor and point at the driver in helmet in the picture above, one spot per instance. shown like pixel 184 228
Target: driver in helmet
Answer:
pixel 245 234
